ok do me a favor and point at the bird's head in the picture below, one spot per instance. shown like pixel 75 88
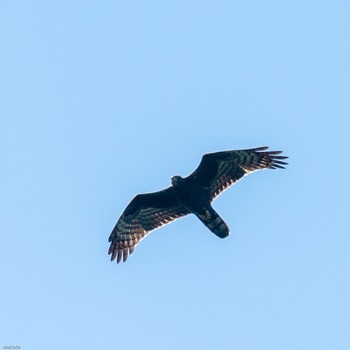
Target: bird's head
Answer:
pixel 176 180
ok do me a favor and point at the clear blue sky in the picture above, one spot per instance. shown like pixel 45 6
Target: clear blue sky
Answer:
pixel 102 100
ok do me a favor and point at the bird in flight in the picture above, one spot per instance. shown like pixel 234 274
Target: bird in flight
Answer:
pixel 190 195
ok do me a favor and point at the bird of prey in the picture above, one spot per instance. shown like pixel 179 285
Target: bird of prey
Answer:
pixel 190 195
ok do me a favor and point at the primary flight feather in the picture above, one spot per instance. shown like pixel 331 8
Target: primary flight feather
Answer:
pixel 190 195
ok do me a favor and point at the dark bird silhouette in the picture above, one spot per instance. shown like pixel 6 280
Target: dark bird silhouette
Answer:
pixel 190 195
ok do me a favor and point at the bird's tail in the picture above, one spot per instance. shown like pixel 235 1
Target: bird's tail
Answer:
pixel 213 221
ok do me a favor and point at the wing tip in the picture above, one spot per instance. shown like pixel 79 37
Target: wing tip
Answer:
pixel 258 149
pixel 120 251
pixel 273 159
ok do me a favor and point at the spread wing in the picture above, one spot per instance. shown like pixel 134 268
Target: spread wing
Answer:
pixel 145 213
pixel 218 171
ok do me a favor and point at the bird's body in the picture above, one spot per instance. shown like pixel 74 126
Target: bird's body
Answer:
pixel 189 192
pixel 190 195
pixel 196 200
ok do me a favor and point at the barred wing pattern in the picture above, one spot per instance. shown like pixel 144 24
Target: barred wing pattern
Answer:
pixel 218 171
pixel 145 213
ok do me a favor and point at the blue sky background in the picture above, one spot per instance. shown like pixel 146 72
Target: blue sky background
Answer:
pixel 100 101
